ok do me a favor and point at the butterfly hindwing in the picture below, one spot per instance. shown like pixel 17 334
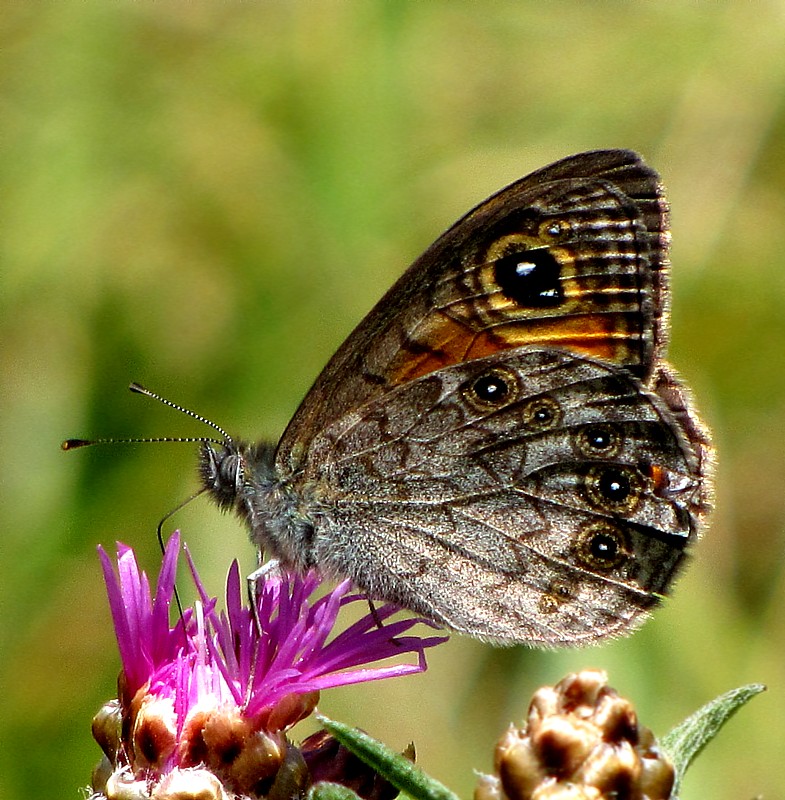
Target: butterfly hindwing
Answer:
pixel 556 479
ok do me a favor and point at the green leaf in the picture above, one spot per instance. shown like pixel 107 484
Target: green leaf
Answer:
pixel 331 791
pixel 686 740
pixel 399 771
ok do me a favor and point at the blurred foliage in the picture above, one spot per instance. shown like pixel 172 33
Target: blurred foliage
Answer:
pixel 206 197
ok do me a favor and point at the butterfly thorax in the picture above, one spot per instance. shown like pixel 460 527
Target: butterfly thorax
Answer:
pixel 242 477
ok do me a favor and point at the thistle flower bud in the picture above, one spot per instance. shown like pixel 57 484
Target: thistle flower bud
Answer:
pixel 581 742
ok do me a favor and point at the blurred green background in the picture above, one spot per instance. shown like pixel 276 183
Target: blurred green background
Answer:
pixel 207 197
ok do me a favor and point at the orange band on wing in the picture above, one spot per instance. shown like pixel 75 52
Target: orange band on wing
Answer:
pixel 610 338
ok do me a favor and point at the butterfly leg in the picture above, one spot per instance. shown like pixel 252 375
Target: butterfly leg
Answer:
pixel 263 571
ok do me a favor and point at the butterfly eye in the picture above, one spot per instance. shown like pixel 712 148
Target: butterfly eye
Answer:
pixel 613 488
pixel 598 440
pixel 601 546
pixel 493 388
pixel 541 414
pixel 530 278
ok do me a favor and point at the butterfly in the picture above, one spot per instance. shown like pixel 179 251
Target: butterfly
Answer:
pixel 499 445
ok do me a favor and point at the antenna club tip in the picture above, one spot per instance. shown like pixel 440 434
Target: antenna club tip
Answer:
pixel 73 444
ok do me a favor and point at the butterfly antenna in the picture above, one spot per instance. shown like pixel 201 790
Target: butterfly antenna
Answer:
pixel 137 388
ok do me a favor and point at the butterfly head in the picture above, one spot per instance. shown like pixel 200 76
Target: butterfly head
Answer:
pixel 221 471
pixel 242 477
pixel 229 469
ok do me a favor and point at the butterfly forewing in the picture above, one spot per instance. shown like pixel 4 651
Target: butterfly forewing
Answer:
pixel 573 255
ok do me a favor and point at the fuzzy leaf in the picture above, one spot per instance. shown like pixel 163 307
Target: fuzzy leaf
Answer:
pixel 331 791
pixel 399 771
pixel 687 739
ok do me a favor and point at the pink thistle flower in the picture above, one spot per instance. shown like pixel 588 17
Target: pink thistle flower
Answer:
pixel 214 692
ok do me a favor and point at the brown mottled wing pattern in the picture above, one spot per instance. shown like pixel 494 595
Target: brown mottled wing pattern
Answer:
pixel 573 255
pixel 555 511
pixel 499 444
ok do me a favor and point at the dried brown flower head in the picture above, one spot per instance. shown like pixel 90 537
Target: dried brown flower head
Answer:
pixel 581 742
